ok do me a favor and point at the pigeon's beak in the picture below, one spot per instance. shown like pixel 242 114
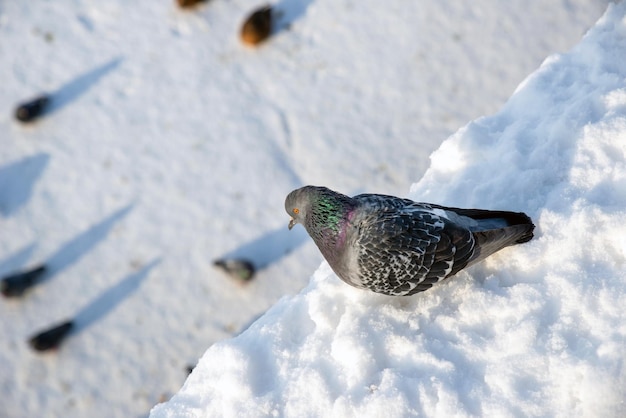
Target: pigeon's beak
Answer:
pixel 292 222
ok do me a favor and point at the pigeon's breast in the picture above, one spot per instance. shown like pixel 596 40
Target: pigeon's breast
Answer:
pixel 347 265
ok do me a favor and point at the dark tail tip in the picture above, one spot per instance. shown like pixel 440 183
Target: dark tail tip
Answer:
pixel 525 238
pixel 528 235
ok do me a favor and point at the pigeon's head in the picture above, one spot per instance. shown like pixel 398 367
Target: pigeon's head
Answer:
pixel 316 207
pixel 297 204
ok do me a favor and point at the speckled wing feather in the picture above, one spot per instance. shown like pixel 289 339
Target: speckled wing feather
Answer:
pixel 404 249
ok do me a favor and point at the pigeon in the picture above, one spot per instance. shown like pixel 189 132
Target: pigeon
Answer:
pixel 239 269
pixel 396 246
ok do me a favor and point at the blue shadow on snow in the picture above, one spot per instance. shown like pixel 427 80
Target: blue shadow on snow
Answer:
pixel 52 337
pixel 17 181
pixel 74 249
pixel 17 260
pixel 112 297
pixel 288 11
pixel 270 247
pixel 78 86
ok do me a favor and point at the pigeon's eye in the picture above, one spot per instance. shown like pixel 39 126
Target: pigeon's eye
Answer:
pixel 296 211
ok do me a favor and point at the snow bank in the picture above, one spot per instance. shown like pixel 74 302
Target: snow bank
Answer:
pixel 537 330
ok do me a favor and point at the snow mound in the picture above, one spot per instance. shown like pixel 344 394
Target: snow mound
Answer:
pixel 536 330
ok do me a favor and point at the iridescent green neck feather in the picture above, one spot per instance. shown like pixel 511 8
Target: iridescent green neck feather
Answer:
pixel 327 220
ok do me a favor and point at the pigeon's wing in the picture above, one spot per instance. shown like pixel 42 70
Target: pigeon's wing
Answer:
pixel 405 251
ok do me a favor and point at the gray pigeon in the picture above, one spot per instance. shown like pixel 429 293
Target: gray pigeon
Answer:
pixel 396 246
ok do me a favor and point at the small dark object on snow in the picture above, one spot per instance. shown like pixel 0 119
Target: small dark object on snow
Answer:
pixel 189 3
pixel 52 337
pixel 258 26
pixel 31 110
pixel 237 268
pixel 16 284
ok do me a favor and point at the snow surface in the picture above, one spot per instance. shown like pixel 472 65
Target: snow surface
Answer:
pixel 170 144
pixel 537 330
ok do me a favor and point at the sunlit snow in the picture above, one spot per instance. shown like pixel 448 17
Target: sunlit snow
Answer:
pixel 170 144
pixel 537 330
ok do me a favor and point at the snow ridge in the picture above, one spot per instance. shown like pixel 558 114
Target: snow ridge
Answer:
pixel 536 330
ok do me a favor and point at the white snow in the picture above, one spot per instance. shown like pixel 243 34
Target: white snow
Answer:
pixel 536 330
pixel 170 144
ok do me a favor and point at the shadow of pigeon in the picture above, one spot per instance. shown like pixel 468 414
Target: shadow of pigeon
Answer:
pixel 17 283
pixel 76 248
pixel 17 181
pixel 78 86
pixel 288 11
pixel 31 110
pixel 18 259
pixel 112 297
pixel 263 251
pixel 52 337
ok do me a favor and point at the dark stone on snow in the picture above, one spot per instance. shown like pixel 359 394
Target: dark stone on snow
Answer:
pixel 29 111
pixel 52 337
pixel 16 284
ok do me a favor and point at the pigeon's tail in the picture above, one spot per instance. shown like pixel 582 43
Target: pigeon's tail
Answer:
pixel 493 230
pixel 515 228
